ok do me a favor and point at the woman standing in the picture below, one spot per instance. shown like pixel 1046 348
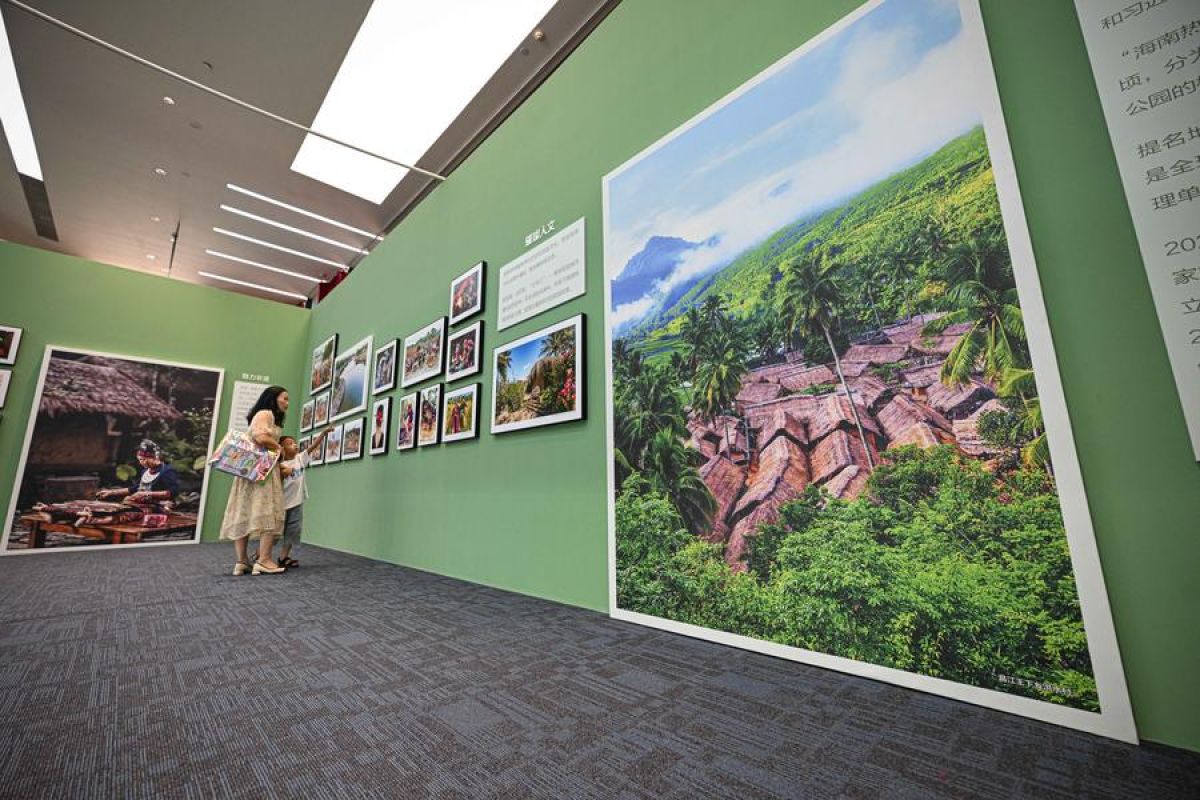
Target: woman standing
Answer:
pixel 255 509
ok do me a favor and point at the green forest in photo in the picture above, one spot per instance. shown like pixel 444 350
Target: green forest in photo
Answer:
pixel 943 553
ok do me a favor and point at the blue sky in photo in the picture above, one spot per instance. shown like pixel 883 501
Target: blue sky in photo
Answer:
pixel 875 98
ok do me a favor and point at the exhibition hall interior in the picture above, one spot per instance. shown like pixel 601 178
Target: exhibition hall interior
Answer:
pixel 600 399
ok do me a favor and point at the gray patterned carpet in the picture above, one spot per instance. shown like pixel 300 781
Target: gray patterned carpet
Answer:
pixel 151 673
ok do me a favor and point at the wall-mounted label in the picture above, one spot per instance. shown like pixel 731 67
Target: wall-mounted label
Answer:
pixel 1146 60
pixel 249 376
pixel 542 232
pixel 245 395
pixel 546 276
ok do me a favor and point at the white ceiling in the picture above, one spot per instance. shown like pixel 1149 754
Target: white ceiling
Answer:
pixel 102 127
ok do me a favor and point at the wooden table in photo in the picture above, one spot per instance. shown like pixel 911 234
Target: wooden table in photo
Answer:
pixel 123 533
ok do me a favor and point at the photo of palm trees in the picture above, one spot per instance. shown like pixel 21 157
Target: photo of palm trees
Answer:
pixel 827 428
pixel 538 379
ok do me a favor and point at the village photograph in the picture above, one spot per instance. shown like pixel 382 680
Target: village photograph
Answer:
pixel 117 454
pixel 827 430
pixel 535 378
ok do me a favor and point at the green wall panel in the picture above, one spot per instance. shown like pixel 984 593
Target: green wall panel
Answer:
pixel 526 511
pixel 67 301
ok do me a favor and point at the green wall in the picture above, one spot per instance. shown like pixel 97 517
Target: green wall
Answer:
pixel 526 511
pixel 66 301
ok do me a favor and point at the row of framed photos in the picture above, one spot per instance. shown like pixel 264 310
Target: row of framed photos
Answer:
pixel 536 380
pixel 10 342
pixel 427 417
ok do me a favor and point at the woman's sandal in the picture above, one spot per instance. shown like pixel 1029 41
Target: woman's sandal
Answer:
pixel 241 568
pixel 289 562
pixel 262 569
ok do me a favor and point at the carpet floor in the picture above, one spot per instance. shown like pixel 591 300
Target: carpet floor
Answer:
pixel 152 673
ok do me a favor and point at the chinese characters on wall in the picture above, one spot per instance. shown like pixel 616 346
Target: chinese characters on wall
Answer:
pixel 1146 60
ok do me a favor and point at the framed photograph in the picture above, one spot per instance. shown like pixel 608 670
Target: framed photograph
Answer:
pixel 941 154
pixel 348 394
pixel 429 412
pixel 114 453
pixel 381 416
pixel 320 410
pixel 423 353
pixel 303 442
pixel 466 294
pixel 385 367
pixel 5 377
pixel 322 365
pixel 318 456
pixel 352 439
pixel 462 352
pixel 538 379
pixel 333 445
pixel 306 415
pixel 10 340
pixel 406 421
pixel 460 414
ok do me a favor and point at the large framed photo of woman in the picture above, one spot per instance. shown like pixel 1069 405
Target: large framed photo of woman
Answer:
pixel 381 414
pixel 385 368
pixel 460 414
pixel 351 377
pixel 463 352
pixel 538 379
pixel 423 353
pixel 321 374
pixel 115 453
pixel 406 421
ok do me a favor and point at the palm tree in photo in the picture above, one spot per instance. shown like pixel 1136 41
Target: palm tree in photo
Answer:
pixel 648 405
pixel 693 334
pixel 1020 384
pixel 981 293
pixel 719 374
pixel 503 364
pixel 671 467
pixel 809 296
pixel 560 343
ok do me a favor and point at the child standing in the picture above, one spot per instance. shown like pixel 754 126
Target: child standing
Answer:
pixel 295 492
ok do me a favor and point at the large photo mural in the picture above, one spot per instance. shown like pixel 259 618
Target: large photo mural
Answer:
pixel 836 427
pixel 115 453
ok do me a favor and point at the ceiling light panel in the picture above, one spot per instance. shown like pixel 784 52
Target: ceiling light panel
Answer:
pixel 13 114
pixel 302 211
pixel 280 248
pixel 249 285
pixel 291 229
pixel 260 265
pixel 409 72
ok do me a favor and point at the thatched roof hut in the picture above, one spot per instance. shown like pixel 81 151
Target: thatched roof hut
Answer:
pixel 770 373
pixel 905 332
pixel 922 377
pixel 782 475
pixel 836 452
pixel 849 483
pixel 876 353
pixel 868 390
pixel 800 379
pixel 852 369
pixel 799 406
pixel 73 387
pixel 745 530
pixel 903 412
pixel 781 423
pixel 923 435
pixel 753 393
pixel 832 412
pixel 966 432
pixel 725 481
pixel 957 402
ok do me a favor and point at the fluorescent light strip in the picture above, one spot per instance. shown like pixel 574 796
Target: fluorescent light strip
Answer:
pixel 290 229
pixel 13 114
pixel 252 285
pixel 282 249
pixel 250 263
pixel 305 212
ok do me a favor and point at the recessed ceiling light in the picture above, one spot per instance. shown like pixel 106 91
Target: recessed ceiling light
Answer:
pixel 155 218
pixel 13 113
pixel 260 265
pixel 303 211
pixel 168 100
pixel 252 285
pixel 151 256
pixel 443 54
pixel 159 171
pixel 281 248
pixel 289 228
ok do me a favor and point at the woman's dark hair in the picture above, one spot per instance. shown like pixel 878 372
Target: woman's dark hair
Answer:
pixel 268 400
